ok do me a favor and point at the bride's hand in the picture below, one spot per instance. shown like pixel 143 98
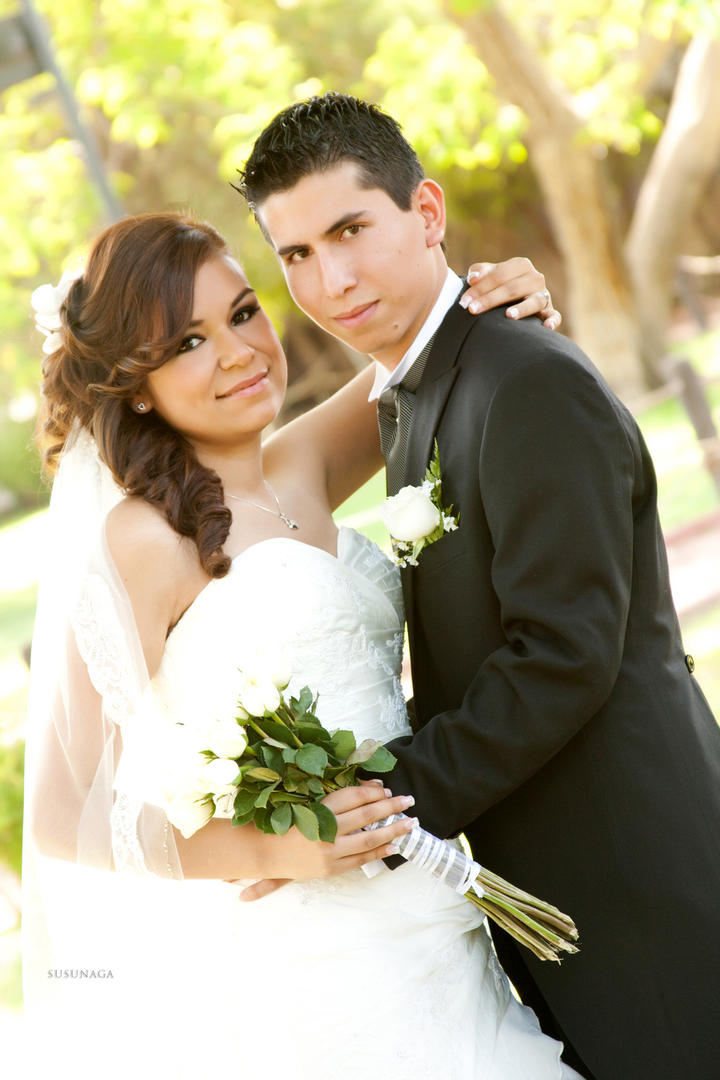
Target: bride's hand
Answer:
pixel 492 284
pixel 354 808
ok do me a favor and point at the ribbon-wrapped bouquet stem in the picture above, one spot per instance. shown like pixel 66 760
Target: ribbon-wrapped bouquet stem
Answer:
pixel 273 763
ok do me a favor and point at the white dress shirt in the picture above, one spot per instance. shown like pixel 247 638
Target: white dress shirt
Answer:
pixel 448 294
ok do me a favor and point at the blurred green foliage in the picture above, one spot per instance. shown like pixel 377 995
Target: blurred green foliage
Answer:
pixel 176 92
pixel 12 757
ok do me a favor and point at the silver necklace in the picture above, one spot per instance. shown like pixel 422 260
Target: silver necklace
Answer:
pixel 288 521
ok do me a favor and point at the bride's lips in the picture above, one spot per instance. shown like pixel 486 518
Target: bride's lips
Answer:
pixel 246 387
pixel 356 316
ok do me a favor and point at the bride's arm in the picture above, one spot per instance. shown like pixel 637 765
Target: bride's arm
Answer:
pixel 343 430
pixel 155 566
pixel 220 851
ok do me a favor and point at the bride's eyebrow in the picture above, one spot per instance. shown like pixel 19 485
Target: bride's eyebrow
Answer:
pixel 236 301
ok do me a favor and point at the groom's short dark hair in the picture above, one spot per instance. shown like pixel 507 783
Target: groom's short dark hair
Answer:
pixel 317 134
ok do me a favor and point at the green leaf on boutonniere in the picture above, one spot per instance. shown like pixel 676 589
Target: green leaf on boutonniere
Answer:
pixel 432 473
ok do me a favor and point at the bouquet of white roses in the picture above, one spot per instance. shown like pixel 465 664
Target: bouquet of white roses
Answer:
pixel 274 764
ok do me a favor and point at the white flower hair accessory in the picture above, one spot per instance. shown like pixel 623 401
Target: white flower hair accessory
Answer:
pixel 415 517
pixel 46 302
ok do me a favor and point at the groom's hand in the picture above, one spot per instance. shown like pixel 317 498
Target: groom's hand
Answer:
pixel 258 889
pixel 493 284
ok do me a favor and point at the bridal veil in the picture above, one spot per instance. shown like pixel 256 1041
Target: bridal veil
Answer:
pixel 89 837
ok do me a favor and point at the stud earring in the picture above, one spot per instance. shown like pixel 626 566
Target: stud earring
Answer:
pixel 141 406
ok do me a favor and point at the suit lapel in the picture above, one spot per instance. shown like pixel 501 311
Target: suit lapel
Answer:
pixel 432 393
pixel 431 397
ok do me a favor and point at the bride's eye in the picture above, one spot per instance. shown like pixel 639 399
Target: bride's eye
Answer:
pixel 189 343
pixel 244 314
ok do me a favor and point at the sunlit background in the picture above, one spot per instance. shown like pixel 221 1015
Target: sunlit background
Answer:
pixel 585 136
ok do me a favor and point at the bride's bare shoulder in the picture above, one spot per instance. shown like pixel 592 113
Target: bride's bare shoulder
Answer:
pixel 158 569
pixel 145 548
pixel 135 528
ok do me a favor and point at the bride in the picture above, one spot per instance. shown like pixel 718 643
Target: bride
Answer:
pixel 181 545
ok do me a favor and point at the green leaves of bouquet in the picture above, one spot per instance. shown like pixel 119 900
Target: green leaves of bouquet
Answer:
pixel 292 762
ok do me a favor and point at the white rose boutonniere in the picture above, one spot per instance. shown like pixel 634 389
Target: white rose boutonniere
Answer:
pixel 415 517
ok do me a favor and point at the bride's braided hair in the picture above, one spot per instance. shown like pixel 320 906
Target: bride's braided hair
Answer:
pixel 123 318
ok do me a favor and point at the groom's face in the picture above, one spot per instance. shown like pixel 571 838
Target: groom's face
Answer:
pixel 359 266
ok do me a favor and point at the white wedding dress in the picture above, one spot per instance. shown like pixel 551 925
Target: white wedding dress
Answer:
pixel 352 976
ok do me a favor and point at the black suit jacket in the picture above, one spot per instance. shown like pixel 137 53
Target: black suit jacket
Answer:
pixel 558 724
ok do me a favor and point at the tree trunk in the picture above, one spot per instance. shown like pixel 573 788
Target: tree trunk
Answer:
pixel 685 158
pixel 572 179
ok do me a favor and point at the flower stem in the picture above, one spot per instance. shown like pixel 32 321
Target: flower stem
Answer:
pixel 276 715
pixel 256 727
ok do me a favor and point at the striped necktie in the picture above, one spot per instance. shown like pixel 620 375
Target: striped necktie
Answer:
pixel 395 409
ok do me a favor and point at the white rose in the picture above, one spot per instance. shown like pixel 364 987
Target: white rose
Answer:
pixel 183 765
pixel 410 515
pixel 280 671
pixel 275 666
pixel 189 814
pixel 258 694
pixel 219 776
pixel 226 738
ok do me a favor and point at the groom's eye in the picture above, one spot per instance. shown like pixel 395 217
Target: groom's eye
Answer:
pixel 297 255
pixel 352 230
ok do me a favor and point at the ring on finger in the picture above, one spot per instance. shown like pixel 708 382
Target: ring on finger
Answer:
pixel 547 298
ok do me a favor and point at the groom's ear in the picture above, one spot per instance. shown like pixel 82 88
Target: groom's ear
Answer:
pixel 429 201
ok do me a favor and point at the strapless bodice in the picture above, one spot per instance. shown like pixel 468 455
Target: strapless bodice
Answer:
pixel 337 621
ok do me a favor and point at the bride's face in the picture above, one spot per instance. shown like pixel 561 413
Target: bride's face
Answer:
pixel 228 379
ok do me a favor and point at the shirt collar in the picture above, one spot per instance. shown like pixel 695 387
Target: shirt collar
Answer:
pixel 448 294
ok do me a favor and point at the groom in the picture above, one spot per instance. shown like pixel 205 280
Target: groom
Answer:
pixel 558 721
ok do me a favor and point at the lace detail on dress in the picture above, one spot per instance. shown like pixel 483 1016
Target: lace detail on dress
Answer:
pixel 127 853
pixel 386 657
pixel 102 645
